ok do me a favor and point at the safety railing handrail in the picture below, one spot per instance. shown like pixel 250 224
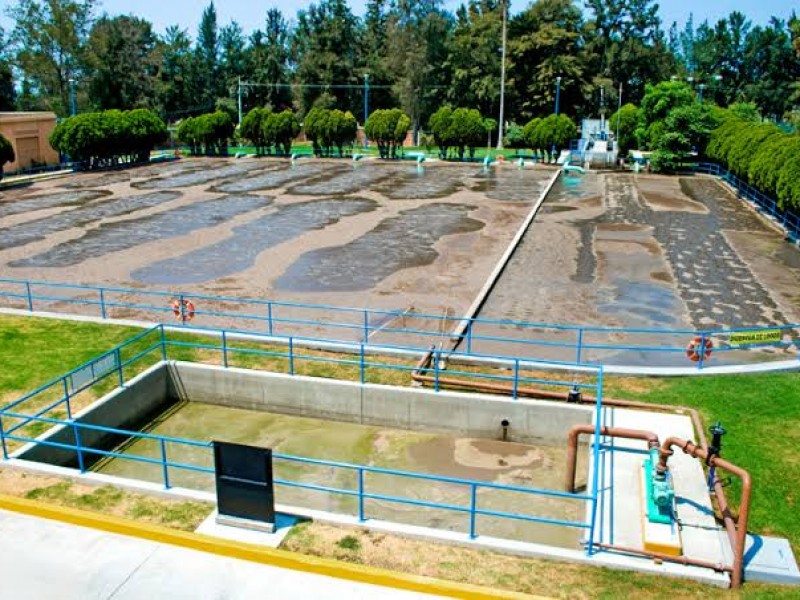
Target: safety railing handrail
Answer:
pixel 370 311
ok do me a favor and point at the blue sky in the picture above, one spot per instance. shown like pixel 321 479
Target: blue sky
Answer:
pixel 250 14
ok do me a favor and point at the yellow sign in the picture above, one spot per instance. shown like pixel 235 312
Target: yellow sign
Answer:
pixel 764 336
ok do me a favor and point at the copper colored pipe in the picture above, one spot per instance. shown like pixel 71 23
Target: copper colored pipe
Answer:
pixel 683 560
pixel 744 508
pixel 620 432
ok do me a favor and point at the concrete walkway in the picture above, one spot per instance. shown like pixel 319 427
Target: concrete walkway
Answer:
pixel 40 558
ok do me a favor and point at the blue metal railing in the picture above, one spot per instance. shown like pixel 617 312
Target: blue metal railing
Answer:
pixel 607 345
pixel 156 341
pixel 786 218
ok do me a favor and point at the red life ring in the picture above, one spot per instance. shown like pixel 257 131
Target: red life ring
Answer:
pixel 693 349
pixel 185 313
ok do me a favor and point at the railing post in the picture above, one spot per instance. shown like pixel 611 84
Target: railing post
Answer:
pixel 164 465
pixel 66 398
pixel 579 347
pixel 3 438
pixel 224 349
pixel 102 303
pixel 473 501
pixel 469 335
pixel 30 295
pixel 269 316
pixel 182 308
pixel 363 374
pixel 291 355
pixel 361 516
pixel 163 343
pixel 436 357
pixel 702 351
pixel 118 356
pixel 516 378
pixel 76 432
pixel 366 326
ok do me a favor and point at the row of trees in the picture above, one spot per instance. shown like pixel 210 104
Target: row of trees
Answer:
pixel 417 56
pixel 109 138
pixel 761 153
pixel 207 134
pixel 265 129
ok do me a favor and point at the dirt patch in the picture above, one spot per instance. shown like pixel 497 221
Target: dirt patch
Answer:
pixel 666 194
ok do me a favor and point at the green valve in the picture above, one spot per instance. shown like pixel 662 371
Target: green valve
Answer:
pixel 660 495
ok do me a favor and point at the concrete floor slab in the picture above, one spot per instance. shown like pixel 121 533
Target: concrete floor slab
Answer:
pixel 47 559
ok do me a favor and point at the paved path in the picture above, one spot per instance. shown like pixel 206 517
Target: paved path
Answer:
pixel 42 559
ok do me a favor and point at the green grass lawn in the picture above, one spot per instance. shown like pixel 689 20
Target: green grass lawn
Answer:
pixel 761 413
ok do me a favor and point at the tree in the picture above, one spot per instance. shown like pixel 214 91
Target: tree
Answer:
pixel 627 44
pixel 209 85
pixel 416 54
pixel 659 100
pixel 439 124
pixel 252 129
pixel 552 132
pixel 175 85
pixel 746 111
pixel 8 95
pixel 49 38
pixel 208 133
pixel 545 42
pixel 121 60
pixel 387 128
pixel 770 61
pixel 281 129
pixel 624 123
pixel 6 153
pixel 325 46
pixel 232 61
pixel 531 132
pixel 267 60
pixel 328 128
pixel 467 131
pixel 472 55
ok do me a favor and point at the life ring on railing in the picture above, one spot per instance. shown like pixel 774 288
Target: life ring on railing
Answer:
pixel 185 313
pixel 699 346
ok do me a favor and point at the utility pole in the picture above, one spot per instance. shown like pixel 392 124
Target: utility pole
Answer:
pixel 700 87
pixel 558 93
pixel 72 101
pixel 240 101
pixel 619 108
pixel 502 79
pixel 366 106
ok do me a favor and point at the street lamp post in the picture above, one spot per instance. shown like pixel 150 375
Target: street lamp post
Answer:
pixel 700 92
pixel 502 79
pixel 72 101
pixel 558 93
pixel 240 100
pixel 366 106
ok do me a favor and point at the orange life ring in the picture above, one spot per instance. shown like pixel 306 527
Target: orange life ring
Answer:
pixel 693 349
pixel 185 313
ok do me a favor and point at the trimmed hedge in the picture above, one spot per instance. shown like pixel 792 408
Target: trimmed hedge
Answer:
pixel 461 129
pixel 330 128
pixel 109 138
pixel 207 134
pixel 6 153
pixel 387 128
pixel 554 131
pixel 761 153
pixel 265 129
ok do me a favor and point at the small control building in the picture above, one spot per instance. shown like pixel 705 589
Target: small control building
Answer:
pixel 29 134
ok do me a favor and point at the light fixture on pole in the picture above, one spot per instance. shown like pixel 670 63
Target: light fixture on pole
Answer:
pixel 502 79
pixel 558 93
pixel 73 103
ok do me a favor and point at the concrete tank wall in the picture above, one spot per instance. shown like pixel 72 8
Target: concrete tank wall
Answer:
pixel 141 400
pixel 454 413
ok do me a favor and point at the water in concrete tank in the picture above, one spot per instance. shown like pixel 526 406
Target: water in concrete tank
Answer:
pixel 482 460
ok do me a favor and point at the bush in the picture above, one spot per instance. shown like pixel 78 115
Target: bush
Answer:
pixel 553 132
pixel 280 129
pixel 767 157
pixel 388 129
pixel 659 100
pixel 6 153
pixel 623 124
pixel 329 128
pixel 252 129
pixel 207 134
pixel 109 138
pixel 686 130
pixel 515 137
pixel 461 129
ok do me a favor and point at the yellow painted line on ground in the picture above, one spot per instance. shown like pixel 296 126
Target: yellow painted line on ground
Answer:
pixel 254 553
